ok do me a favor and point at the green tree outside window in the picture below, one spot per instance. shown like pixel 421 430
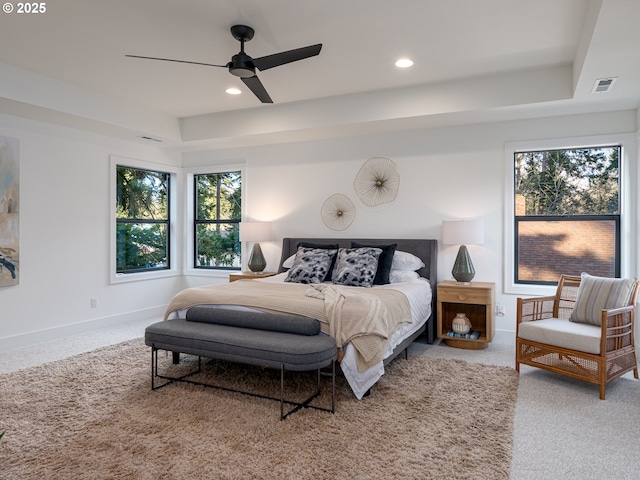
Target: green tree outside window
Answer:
pixel 218 210
pixel 142 220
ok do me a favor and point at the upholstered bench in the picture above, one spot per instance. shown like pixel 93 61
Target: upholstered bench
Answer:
pixel 282 342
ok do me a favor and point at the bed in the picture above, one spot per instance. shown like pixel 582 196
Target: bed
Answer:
pixel 415 291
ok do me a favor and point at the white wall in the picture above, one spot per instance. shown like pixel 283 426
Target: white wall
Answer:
pixel 446 173
pixel 64 237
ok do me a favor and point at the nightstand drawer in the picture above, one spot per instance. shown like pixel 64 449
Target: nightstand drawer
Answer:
pixel 462 295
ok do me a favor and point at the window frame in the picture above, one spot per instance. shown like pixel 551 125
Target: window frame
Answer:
pixel 190 223
pixel 173 240
pixel 627 223
pixel 197 222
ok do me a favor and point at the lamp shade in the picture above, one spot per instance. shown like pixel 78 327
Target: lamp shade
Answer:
pixel 463 232
pixel 255 231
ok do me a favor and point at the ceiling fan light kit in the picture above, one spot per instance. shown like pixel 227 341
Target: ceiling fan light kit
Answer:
pixel 244 67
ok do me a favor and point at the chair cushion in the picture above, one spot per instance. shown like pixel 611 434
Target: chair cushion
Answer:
pixel 560 332
pixel 599 293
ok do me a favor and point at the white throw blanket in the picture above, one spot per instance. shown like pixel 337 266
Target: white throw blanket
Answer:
pixel 356 317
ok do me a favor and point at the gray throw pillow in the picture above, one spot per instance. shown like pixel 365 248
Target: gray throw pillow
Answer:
pixel 600 293
pixel 311 265
pixel 356 266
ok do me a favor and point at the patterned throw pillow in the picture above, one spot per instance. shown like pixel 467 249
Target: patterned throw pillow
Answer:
pixel 311 265
pixel 384 261
pixel 324 246
pixel 600 293
pixel 356 266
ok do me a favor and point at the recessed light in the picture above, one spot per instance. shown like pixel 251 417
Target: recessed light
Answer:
pixel 233 91
pixel 404 63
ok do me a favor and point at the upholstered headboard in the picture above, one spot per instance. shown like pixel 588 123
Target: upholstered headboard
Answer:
pixel 425 249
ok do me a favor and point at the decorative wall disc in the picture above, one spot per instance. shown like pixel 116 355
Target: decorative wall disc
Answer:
pixel 377 181
pixel 338 212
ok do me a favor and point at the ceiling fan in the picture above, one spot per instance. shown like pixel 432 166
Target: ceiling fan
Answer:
pixel 243 66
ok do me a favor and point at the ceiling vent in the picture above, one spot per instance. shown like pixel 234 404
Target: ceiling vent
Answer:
pixel 604 85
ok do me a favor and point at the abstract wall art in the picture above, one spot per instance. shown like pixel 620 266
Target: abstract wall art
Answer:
pixel 9 212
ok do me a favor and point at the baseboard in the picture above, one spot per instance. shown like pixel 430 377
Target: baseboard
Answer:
pixel 30 338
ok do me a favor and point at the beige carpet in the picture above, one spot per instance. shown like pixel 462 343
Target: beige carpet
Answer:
pixel 94 416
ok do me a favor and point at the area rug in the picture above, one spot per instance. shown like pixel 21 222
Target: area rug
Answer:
pixel 94 416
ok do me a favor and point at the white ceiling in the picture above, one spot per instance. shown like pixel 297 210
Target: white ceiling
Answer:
pixel 475 60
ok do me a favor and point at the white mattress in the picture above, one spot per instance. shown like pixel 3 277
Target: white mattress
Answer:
pixel 418 292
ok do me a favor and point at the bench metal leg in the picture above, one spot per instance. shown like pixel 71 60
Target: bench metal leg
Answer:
pixel 155 374
pixel 306 403
pixel 297 405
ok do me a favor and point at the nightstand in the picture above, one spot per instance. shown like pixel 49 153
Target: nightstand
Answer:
pixel 477 301
pixel 249 275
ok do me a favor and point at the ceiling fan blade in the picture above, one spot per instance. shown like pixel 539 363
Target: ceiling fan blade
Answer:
pixel 179 61
pixel 277 59
pixel 255 85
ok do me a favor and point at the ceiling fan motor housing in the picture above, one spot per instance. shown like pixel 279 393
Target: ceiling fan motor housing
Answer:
pixel 241 65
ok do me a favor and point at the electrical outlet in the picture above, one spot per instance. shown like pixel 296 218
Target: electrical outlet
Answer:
pixel 499 310
pixel 94 302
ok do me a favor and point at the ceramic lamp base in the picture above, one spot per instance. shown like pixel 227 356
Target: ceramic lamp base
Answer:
pixel 463 270
pixel 257 262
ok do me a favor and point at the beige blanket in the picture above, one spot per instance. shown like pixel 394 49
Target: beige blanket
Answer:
pixel 364 317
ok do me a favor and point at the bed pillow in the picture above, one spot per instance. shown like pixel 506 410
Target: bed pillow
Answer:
pixel 311 265
pixel 600 293
pixel 384 262
pixel 403 276
pixel 288 263
pixel 406 261
pixel 324 246
pixel 356 267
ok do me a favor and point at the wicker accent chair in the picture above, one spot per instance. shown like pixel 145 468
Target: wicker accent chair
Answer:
pixel 595 354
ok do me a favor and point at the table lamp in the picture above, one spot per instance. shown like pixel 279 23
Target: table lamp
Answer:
pixel 255 232
pixel 463 233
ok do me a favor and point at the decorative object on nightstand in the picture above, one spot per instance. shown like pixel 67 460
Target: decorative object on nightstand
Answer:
pixel 338 212
pixel 461 324
pixel 255 232
pixel 377 181
pixel 463 233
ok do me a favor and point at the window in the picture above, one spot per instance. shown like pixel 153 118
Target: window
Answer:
pixel 217 215
pixel 566 205
pixel 142 220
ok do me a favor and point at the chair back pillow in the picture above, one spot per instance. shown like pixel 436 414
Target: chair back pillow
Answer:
pixel 600 293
